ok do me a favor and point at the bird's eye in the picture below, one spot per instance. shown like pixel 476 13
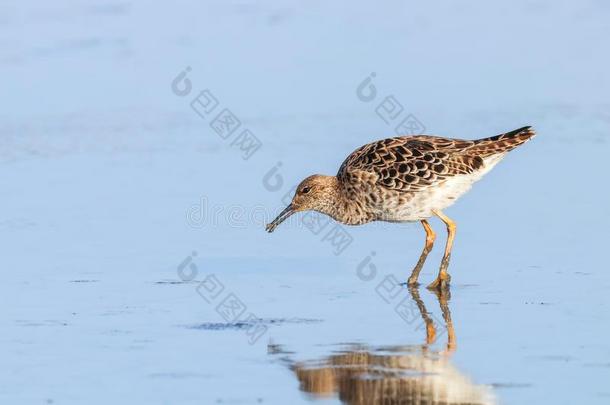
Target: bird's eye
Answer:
pixel 305 190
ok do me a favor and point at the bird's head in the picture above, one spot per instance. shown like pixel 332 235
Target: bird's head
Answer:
pixel 315 193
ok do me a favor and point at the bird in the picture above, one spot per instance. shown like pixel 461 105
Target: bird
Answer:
pixel 405 179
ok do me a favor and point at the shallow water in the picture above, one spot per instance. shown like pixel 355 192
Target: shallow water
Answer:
pixel 136 266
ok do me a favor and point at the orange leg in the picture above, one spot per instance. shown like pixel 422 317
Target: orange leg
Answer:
pixel 443 278
pixel 443 297
pixel 430 328
pixel 430 236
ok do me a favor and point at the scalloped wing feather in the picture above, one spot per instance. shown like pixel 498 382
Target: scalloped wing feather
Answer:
pixel 411 163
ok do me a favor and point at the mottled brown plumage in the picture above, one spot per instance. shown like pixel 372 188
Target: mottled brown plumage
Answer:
pixel 410 163
pixel 401 179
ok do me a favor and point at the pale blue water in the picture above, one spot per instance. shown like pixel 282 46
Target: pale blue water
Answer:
pixel 111 181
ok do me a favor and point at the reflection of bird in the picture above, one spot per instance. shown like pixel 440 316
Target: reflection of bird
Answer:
pixel 392 375
pixel 409 178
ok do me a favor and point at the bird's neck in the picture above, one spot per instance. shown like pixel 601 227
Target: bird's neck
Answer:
pixel 340 206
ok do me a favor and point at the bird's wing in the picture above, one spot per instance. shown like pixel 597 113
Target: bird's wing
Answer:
pixel 410 163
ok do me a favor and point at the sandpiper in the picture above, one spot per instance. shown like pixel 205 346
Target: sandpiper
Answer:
pixel 404 179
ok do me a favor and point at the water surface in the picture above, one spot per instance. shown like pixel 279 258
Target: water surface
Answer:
pixel 135 263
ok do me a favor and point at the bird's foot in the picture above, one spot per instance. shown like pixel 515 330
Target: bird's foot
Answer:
pixel 441 282
pixel 411 283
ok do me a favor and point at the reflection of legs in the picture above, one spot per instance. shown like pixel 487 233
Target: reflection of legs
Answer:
pixel 430 329
pixel 443 278
pixel 443 299
pixel 430 236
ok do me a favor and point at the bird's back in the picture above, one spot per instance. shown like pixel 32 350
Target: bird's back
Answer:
pixel 417 161
pixel 404 178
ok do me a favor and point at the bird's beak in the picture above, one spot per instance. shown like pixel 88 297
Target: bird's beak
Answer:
pixel 288 211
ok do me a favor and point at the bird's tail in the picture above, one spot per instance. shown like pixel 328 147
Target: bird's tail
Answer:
pixel 502 143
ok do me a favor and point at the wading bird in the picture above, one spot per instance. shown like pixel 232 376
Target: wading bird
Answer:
pixel 404 179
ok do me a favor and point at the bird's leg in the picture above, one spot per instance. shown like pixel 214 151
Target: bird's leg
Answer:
pixel 443 278
pixel 430 329
pixel 430 236
pixel 443 297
